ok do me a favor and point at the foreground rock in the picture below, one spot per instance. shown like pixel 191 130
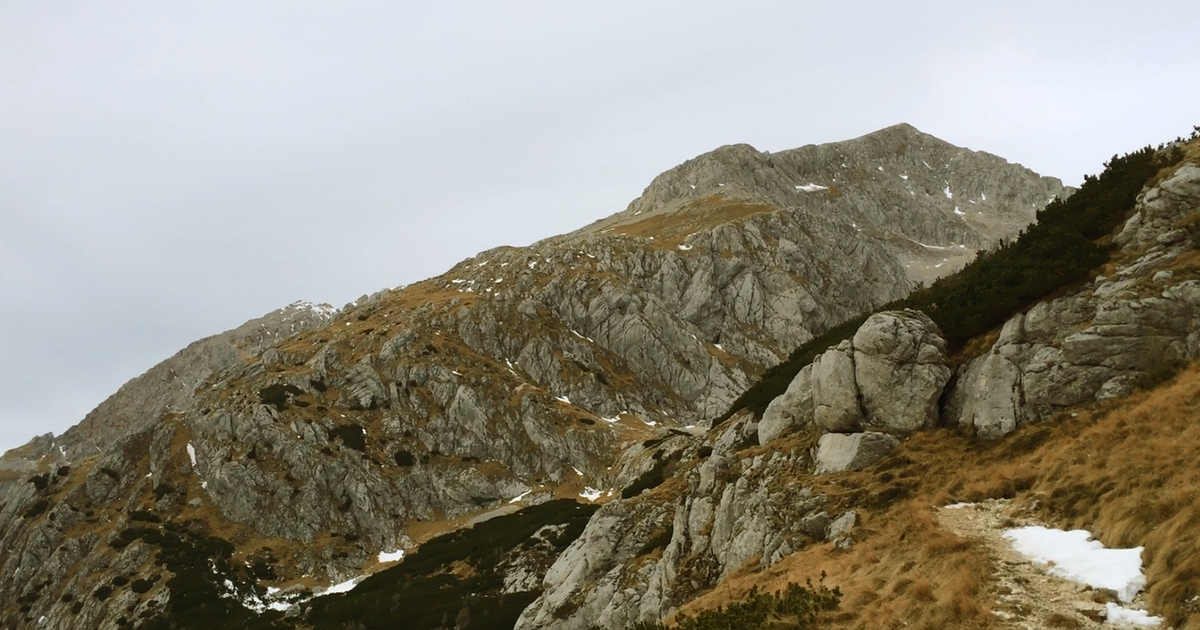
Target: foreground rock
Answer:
pixel 888 378
pixel 841 452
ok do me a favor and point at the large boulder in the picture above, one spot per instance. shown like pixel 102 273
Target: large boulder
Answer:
pixel 988 397
pixel 790 411
pixel 835 390
pixel 840 452
pixel 900 368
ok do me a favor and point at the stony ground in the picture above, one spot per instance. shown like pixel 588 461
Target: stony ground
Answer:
pixel 1024 596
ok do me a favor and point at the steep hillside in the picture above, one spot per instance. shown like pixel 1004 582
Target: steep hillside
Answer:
pixel 577 367
pixel 840 474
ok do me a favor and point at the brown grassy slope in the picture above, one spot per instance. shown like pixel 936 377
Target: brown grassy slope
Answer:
pixel 1127 471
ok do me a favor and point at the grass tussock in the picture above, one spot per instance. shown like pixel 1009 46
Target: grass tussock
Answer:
pixel 1130 476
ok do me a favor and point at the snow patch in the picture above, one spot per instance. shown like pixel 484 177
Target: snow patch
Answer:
pixel 1120 615
pixel 391 556
pixel 904 177
pixel 812 187
pixel 1075 556
pixel 959 212
pixel 563 398
pixel 191 453
pixel 344 587
pixel 946 190
pixel 958 506
pixel 520 497
pixel 591 494
pixel 685 247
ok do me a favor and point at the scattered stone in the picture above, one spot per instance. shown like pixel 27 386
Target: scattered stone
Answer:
pixel 842 452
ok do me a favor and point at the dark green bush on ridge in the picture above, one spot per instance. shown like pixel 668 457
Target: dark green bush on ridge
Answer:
pixel 1066 244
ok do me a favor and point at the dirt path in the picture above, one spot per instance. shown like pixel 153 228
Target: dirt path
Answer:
pixel 1024 596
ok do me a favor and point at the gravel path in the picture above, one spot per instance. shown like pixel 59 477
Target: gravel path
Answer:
pixel 1024 596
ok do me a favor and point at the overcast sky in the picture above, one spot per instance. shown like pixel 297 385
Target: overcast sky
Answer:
pixel 169 170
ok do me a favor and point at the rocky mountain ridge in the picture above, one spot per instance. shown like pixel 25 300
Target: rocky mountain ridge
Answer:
pixel 521 374
pixel 746 496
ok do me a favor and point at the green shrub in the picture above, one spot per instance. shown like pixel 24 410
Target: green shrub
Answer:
pixel 278 395
pixel 350 435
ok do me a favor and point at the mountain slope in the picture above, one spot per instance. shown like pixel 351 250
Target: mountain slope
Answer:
pixel 523 373
pixel 750 506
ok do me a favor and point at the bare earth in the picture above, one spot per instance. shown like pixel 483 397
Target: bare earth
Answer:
pixel 1024 596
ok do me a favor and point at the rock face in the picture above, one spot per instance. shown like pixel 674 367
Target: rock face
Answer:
pixel 1095 343
pixel 900 367
pixel 1098 342
pixel 793 410
pixel 642 557
pixel 528 372
pixel 888 378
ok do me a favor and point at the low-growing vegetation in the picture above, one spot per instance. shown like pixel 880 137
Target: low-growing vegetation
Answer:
pixel 794 607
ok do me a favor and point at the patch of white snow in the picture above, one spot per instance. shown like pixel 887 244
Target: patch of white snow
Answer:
pixel 1075 556
pixel 1122 616
pixel 344 587
pixel 591 494
pixel 812 187
pixel 191 453
pixel 391 556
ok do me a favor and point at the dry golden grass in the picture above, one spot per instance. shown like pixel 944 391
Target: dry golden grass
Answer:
pixel 669 230
pixel 1128 471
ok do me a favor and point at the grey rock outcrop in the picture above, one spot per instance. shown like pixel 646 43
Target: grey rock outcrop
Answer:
pixel 1101 340
pixel 836 405
pixel 640 558
pixel 841 452
pixel 792 410
pixel 900 367
pixel 889 377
